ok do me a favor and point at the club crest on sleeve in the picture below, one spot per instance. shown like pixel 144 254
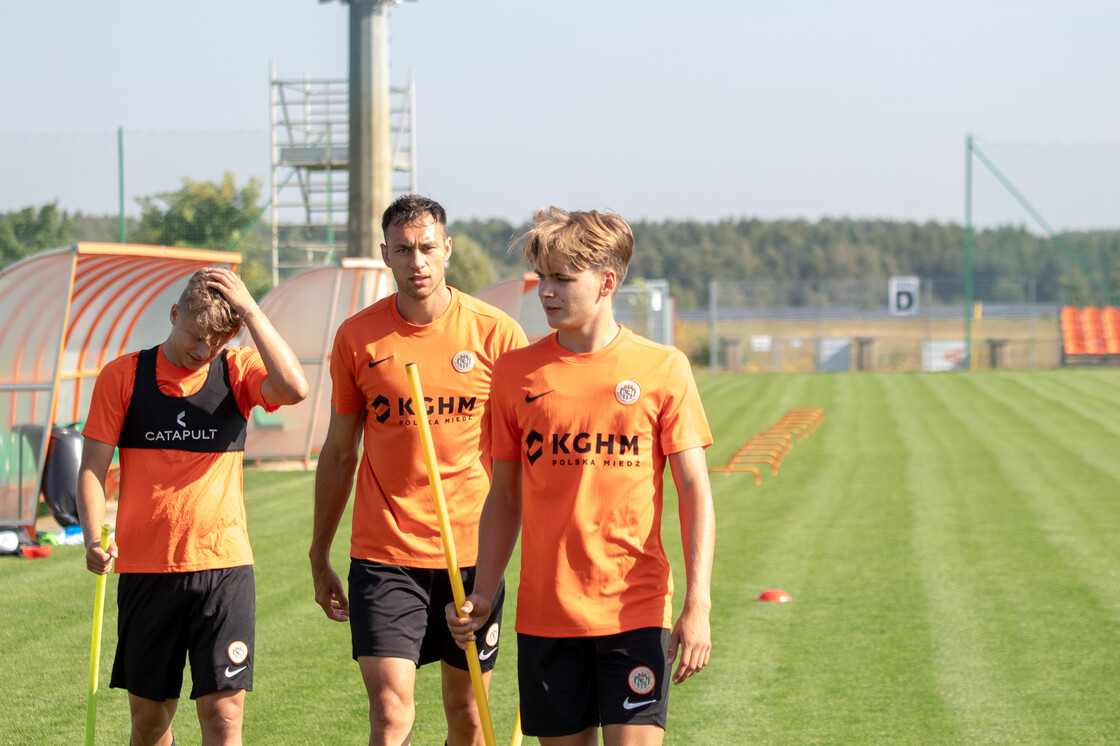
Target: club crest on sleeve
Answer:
pixel 627 392
pixel 238 652
pixel 463 361
pixel 642 680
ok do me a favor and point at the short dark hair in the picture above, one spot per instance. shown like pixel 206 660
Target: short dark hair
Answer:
pixel 408 208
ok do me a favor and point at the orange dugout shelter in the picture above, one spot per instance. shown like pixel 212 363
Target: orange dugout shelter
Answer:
pixel 307 309
pixel 64 313
pixel 517 296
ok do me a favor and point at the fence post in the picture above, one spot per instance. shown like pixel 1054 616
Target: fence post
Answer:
pixel 968 253
pixel 713 317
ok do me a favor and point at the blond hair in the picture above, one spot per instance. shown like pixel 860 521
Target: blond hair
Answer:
pixel 209 309
pixel 583 239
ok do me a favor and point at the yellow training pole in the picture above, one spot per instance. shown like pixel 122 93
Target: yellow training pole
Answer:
pixel 95 643
pixel 435 485
pixel 516 740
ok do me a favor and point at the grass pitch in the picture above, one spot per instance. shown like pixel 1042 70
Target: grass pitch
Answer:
pixel 951 543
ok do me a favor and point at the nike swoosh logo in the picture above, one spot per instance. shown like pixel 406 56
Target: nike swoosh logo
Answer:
pixel 487 654
pixel 531 399
pixel 230 674
pixel 379 362
pixel 628 705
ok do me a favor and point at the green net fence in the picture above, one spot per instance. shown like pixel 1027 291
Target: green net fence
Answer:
pixel 1059 201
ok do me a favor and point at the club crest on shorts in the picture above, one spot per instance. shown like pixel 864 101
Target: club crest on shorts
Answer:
pixel 463 361
pixel 238 652
pixel 642 680
pixel 627 392
pixel 492 635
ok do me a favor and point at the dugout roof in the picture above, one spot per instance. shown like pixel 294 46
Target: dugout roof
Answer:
pixel 64 313
pixel 307 309
pixel 517 297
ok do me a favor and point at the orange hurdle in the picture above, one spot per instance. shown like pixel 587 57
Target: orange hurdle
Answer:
pixel 772 444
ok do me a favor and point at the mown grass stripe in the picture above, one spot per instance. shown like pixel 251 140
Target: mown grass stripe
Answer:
pixel 970 680
pixel 1057 636
pixel 1098 387
pixel 859 594
pixel 1071 468
pixel 729 692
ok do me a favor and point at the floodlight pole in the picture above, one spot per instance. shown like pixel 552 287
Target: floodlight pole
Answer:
pixel 370 150
pixel 120 182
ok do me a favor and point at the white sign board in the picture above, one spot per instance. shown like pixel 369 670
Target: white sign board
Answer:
pixel 903 295
pixel 834 354
pixel 943 354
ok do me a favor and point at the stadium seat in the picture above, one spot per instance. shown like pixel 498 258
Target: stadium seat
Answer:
pixel 1092 333
pixel 1110 327
pixel 1072 343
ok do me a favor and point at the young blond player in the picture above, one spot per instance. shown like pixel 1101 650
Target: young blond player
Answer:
pixel 178 413
pixel 583 424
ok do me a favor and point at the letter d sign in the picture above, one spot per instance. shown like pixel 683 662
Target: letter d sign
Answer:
pixel 903 295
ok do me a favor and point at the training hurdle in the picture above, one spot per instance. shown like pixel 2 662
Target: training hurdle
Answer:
pixel 770 446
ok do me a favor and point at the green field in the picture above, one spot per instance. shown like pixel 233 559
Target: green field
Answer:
pixel 951 543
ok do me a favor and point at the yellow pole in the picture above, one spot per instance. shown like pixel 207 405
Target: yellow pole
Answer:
pixel 435 485
pixel 95 644
pixel 516 740
pixel 977 315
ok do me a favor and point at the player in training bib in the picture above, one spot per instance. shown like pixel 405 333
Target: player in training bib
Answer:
pixel 178 414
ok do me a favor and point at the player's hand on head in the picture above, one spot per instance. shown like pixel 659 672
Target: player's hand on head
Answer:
pixel 231 286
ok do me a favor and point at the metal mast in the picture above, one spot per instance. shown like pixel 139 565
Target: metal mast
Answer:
pixel 337 146
pixel 371 168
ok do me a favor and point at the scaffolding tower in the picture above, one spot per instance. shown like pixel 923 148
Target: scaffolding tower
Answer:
pixel 309 133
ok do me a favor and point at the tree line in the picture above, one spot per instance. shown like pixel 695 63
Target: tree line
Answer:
pixel 1079 267
pixel 1071 266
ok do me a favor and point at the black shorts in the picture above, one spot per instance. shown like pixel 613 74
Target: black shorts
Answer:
pixel 569 684
pixel 398 612
pixel 162 618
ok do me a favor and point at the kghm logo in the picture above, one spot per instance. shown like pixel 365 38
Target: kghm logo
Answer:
pixel 584 449
pixel 451 408
pixel 380 406
pixel 533 446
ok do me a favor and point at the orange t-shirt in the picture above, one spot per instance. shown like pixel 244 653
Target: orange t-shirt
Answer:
pixel 394 516
pixel 178 511
pixel 592 431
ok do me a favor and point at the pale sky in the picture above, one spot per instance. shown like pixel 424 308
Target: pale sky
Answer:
pixel 659 110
